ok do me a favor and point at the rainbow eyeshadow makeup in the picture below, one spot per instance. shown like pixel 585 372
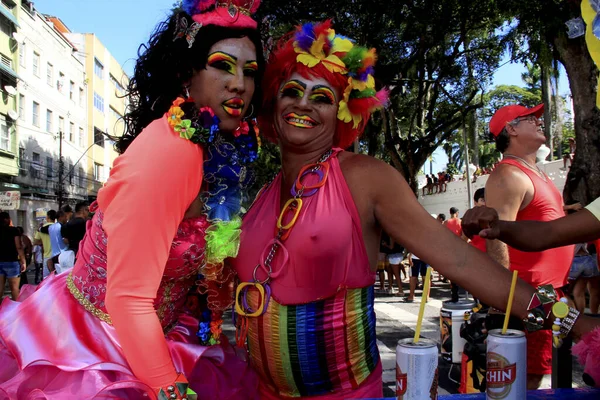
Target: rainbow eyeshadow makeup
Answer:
pixel 322 94
pixel 251 65
pixel 223 61
pixel 293 88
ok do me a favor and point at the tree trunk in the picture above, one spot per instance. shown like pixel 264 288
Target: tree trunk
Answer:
pixel 409 167
pixel 373 144
pixel 547 100
pixel 583 181
pixel 473 133
pixel 558 126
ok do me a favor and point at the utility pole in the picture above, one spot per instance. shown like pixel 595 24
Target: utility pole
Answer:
pixel 61 171
pixel 467 162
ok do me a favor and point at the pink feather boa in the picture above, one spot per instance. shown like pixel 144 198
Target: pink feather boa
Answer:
pixel 587 351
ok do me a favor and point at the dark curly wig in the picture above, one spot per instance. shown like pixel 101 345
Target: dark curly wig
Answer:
pixel 164 65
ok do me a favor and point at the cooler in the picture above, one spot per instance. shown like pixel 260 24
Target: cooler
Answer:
pixel 452 315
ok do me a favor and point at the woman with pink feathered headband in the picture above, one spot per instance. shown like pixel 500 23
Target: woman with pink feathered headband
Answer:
pixel 308 253
pixel 140 314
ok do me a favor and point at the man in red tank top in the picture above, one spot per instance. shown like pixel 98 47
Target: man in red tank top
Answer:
pixel 454 224
pixel 479 200
pixel 520 191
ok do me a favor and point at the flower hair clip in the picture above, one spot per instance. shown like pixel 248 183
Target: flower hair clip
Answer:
pixel 317 44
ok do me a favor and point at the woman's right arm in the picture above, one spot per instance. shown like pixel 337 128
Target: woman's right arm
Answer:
pixel 144 201
pixel 397 210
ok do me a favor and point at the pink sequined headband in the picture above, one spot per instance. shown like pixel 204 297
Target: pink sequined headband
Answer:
pixel 235 14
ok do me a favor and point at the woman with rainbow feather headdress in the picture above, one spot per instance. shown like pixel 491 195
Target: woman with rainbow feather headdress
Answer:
pixel 309 244
pixel 122 323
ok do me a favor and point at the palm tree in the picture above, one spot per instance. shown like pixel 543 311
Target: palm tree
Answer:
pixel 532 78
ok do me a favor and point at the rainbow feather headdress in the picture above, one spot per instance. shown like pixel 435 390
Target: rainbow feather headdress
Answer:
pixel 319 44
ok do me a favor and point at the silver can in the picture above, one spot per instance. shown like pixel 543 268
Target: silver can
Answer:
pixel 506 372
pixel 416 370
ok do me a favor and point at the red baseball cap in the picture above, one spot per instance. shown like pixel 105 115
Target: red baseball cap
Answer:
pixel 509 113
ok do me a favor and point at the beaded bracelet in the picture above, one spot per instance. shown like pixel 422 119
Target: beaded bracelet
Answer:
pixel 179 390
pixel 564 319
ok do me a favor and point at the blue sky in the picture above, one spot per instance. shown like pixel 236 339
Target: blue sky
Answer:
pixel 122 25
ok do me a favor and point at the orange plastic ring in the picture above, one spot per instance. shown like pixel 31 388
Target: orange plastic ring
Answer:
pixel 319 184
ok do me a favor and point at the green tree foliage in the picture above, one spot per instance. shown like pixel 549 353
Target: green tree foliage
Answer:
pixel 503 95
pixel 532 78
pixel 266 167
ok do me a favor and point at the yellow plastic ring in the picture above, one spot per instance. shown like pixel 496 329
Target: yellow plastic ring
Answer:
pixel 287 205
pixel 238 307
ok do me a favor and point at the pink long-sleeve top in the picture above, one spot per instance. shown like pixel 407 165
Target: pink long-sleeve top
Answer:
pixel 149 190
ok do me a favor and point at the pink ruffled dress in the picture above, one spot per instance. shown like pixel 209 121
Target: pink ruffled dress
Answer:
pixel 117 324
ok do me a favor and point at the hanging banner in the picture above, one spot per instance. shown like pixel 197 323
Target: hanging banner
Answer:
pixel 590 10
pixel 40 213
pixel 10 200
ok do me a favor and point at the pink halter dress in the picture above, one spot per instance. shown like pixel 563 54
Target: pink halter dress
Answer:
pixel 317 337
pixel 77 335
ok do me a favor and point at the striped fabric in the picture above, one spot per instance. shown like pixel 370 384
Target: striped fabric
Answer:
pixel 316 348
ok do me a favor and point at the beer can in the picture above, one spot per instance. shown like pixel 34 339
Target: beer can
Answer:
pixel 506 372
pixel 416 370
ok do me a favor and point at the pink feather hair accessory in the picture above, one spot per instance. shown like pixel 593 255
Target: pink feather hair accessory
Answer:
pixel 587 351
pixel 235 14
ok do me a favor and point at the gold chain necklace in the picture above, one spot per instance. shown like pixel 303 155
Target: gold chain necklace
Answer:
pixel 539 171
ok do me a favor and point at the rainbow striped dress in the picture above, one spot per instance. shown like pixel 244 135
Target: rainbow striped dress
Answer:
pixel 317 348
pixel 317 337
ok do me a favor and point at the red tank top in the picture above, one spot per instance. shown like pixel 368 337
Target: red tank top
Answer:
pixel 454 225
pixel 479 243
pixel 549 267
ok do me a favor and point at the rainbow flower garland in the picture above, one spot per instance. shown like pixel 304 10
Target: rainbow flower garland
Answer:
pixel 227 177
pixel 318 43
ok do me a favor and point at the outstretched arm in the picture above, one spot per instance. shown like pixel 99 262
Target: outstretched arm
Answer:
pixel 144 201
pixel 398 212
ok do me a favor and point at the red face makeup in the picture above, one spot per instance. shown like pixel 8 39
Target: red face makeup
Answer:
pixel 300 121
pixel 233 106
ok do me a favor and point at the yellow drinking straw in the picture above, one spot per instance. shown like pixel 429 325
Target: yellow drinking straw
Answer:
pixel 510 301
pixel 423 301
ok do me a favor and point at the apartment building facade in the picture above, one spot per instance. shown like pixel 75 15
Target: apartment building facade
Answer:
pixel 106 84
pixel 9 47
pixel 51 124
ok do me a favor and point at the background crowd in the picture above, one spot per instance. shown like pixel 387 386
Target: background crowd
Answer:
pixel 53 248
